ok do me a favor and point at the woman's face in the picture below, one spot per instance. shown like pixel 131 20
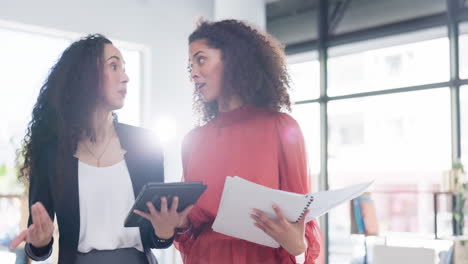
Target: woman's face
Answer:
pixel 206 70
pixel 114 79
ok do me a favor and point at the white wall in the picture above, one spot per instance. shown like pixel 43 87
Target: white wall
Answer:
pixel 161 25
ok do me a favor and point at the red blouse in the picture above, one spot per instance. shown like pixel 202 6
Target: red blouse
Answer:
pixel 259 145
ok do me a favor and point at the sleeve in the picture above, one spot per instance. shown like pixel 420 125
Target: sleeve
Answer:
pixel 39 191
pixel 155 152
pixel 161 243
pixel 294 177
pixel 39 254
pixel 184 238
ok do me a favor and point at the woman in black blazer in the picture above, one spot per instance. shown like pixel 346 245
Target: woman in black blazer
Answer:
pixel 86 168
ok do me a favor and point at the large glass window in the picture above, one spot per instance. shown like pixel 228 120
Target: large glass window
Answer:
pixel 395 139
pixel 463 47
pixel 402 141
pixel 308 117
pixel 392 67
pixel 463 60
pixel 304 79
pixel 464 125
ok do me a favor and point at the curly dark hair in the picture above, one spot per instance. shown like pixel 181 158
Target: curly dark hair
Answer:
pixel 66 101
pixel 254 66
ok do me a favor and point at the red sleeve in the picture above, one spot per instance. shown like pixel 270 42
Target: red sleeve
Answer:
pixel 183 242
pixel 294 177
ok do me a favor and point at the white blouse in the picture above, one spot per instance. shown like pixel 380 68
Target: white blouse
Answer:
pixel 106 196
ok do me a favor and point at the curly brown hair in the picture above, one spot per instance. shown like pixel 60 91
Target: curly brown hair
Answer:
pixel 254 66
pixel 64 106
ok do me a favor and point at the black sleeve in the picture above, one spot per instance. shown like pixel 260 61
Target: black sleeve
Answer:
pixel 39 191
pixel 162 243
pixel 39 254
pixel 157 175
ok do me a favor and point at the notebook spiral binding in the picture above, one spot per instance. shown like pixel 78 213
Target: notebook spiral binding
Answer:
pixel 311 199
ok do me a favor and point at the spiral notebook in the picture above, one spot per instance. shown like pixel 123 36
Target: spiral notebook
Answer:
pixel 241 196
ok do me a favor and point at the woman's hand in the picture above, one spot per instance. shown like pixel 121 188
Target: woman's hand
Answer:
pixel 167 220
pixel 39 233
pixel 291 236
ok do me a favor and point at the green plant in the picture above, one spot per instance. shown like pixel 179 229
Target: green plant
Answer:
pixel 3 170
pixel 458 166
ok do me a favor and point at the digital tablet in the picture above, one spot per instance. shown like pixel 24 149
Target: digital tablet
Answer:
pixel 188 193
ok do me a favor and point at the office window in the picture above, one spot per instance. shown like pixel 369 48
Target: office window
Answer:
pixel 463 60
pixel 463 49
pixel 390 67
pixel 464 125
pixel 305 82
pixel 402 141
pixel 308 117
pixel 391 134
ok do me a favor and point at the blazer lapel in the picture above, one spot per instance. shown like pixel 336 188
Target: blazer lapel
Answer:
pixel 131 159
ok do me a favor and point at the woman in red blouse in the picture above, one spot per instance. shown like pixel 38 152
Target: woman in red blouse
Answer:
pixel 241 85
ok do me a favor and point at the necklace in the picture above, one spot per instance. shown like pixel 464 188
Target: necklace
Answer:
pixel 98 157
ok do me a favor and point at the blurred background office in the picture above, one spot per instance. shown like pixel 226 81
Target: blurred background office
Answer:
pixel 380 91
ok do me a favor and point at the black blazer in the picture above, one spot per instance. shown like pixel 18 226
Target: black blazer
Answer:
pixel 145 164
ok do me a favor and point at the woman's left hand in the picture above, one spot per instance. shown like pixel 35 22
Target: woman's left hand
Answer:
pixel 165 221
pixel 291 236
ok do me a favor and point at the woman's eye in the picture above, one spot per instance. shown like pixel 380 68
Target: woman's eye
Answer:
pixel 201 60
pixel 114 67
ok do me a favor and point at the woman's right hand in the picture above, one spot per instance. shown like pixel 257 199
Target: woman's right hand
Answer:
pixel 167 220
pixel 39 233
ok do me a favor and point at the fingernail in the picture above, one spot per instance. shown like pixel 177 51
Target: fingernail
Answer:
pixel 275 206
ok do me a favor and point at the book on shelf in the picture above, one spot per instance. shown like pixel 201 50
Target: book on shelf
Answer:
pixel 364 216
